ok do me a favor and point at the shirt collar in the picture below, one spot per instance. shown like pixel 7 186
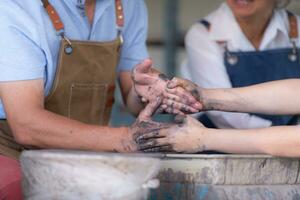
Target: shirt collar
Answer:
pixel 224 27
pixel 101 6
pixel 277 26
pixel 280 22
pixel 80 2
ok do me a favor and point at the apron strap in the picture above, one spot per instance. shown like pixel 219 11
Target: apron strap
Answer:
pixel 119 14
pixel 293 26
pixel 293 34
pixel 59 26
pixel 55 19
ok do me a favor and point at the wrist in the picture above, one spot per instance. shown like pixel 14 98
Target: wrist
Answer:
pixel 205 98
pixel 119 136
pixel 133 92
pixel 209 139
pixel 125 142
pixel 213 99
pixel 134 103
pixel 137 99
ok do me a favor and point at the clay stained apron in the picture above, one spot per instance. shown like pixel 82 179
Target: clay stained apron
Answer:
pixel 254 67
pixel 84 83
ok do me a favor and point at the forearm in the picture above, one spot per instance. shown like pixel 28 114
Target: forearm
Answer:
pixel 269 98
pixel 229 120
pixel 277 141
pixel 32 125
pixel 44 129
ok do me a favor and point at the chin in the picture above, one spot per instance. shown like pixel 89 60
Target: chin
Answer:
pixel 243 8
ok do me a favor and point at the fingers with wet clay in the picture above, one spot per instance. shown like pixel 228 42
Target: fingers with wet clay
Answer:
pixel 184 95
pixel 175 82
pixel 149 110
pixel 146 131
pixel 187 135
pixel 173 105
pixel 140 74
pixel 159 149
pixel 194 89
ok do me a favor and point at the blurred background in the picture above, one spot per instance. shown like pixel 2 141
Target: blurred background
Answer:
pixel 169 20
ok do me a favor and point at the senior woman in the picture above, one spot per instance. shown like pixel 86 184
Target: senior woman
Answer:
pixel 243 42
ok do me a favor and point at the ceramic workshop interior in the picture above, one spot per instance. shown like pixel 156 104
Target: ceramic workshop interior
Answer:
pixel 181 176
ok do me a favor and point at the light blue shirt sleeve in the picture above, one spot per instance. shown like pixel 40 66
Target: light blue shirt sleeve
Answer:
pixel 135 31
pixel 20 56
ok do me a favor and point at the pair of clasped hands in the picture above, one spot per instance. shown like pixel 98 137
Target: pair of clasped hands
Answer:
pixel 161 94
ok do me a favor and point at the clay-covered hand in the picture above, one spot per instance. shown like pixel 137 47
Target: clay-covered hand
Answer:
pixel 175 87
pixel 151 87
pixel 187 136
pixel 135 135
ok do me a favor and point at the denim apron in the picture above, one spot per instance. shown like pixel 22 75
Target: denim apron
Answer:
pixel 255 67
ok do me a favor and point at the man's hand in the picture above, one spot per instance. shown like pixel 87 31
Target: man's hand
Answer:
pixel 187 136
pixel 151 87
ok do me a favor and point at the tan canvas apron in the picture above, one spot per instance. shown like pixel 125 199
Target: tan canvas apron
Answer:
pixel 84 83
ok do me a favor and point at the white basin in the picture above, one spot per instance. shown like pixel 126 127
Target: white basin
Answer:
pixel 84 175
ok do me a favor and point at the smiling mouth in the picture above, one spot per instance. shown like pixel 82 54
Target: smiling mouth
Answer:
pixel 243 2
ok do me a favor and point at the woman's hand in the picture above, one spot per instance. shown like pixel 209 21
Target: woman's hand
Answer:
pixel 175 86
pixel 150 86
pixel 187 136
pixel 134 136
